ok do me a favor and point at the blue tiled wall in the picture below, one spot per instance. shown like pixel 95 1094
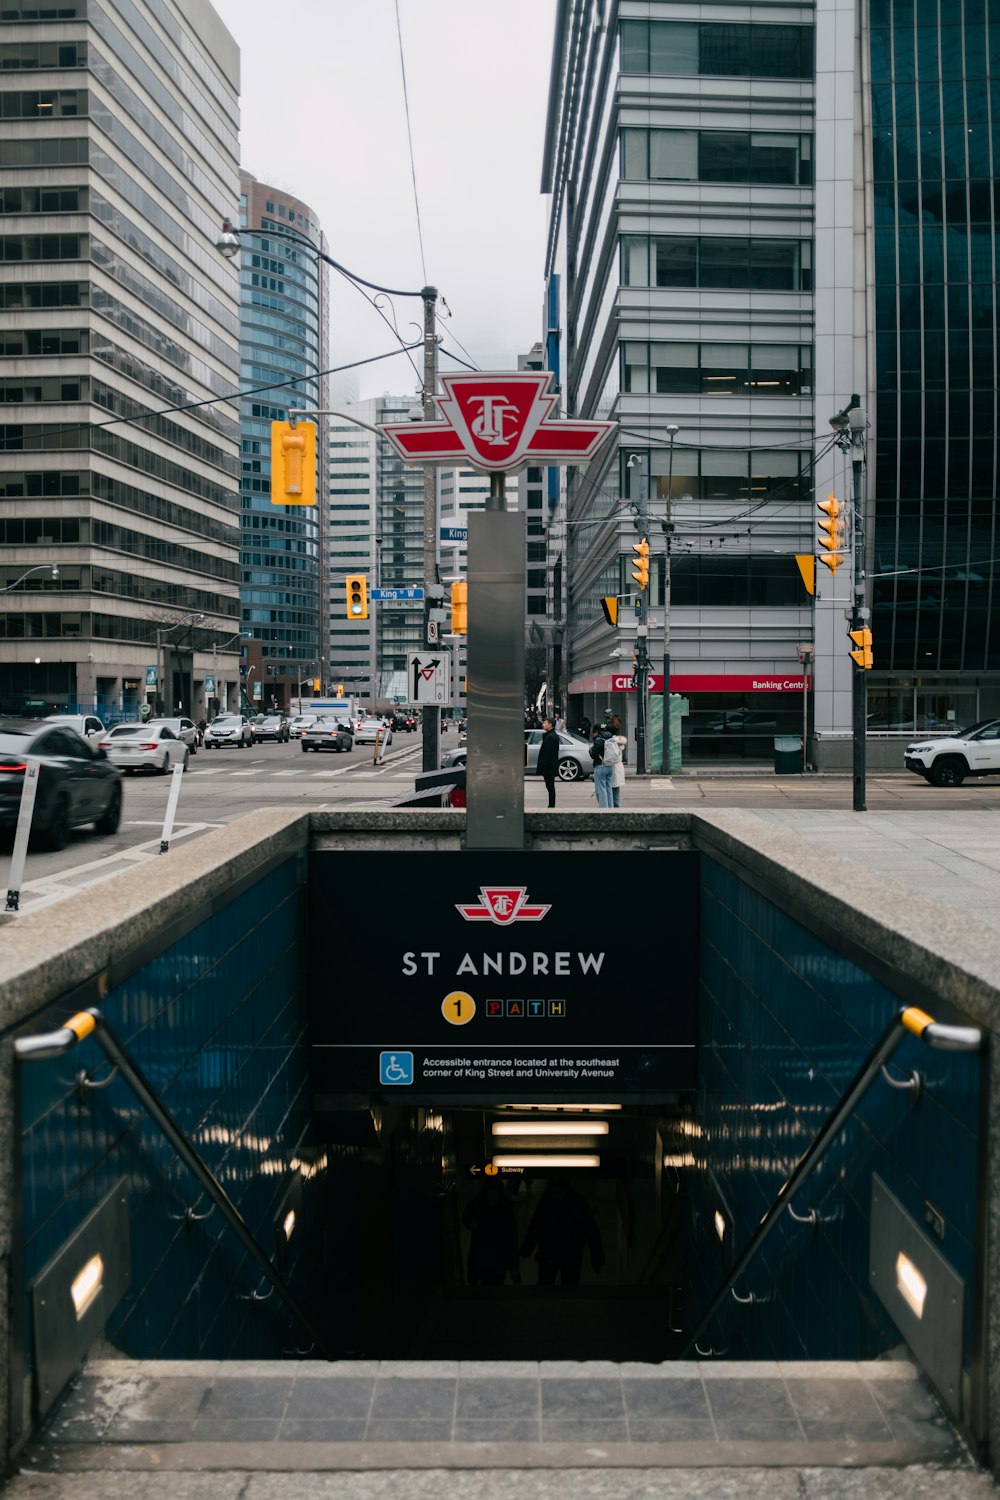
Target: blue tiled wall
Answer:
pixel 786 1021
pixel 217 1024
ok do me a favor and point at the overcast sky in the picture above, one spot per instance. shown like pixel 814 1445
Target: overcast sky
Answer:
pixel 323 117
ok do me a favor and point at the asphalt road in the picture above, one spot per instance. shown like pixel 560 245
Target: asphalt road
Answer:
pixel 222 785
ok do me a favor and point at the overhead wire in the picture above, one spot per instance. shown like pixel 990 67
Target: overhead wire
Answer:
pixel 409 137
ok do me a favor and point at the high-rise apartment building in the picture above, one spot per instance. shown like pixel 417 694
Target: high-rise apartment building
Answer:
pixel 759 215
pixel 119 510
pixel 284 336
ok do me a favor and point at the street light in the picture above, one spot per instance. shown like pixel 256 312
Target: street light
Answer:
pixel 668 530
pixel 38 568
pixel 162 631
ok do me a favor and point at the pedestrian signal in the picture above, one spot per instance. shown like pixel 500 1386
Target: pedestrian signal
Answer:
pixel 640 569
pixel 357 596
pixel 863 641
pixel 831 533
pixel 293 463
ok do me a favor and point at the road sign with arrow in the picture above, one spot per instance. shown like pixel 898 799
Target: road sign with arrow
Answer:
pixel 429 676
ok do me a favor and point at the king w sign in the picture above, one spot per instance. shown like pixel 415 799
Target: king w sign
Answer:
pixel 497 423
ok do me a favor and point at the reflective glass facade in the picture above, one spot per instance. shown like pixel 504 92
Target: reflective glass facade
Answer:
pixel 936 563
pixel 283 312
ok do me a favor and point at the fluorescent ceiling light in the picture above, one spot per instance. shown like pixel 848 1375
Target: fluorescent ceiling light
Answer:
pixel 720 1225
pixel 681 1159
pixel 86 1285
pixel 563 1109
pixel 532 1159
pixel 288 1224
pixel 550 1127
pixel 910 1284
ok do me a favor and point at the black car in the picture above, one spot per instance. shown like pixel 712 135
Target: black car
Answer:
pixel 76 781
pixel 402 724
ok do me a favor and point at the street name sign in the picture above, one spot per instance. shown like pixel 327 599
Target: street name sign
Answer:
pixel 497 422
pixel 454 533
pixel 394 596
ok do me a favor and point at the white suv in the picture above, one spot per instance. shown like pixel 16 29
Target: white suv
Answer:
pixel 968 752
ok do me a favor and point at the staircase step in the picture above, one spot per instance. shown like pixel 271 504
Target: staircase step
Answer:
pixel 193 1429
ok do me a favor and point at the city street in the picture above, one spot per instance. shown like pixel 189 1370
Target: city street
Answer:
pixel 223 785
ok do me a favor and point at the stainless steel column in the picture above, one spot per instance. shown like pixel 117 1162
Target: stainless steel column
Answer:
pixel 495 649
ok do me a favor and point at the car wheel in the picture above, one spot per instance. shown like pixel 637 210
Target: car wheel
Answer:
pixel 57 833
pixel 165 767
pixel 569 770
pixel 305 747
pixel 948 771
pixel 112 814
pixel 186 759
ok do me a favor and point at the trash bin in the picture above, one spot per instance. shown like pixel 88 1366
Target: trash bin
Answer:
pixel 787 754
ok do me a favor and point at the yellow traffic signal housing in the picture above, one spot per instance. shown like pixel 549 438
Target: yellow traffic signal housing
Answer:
pixel 831 533
pixel 356 603
pixel 293 463
pixel 610 607
pixel 806 563
pixel 640 570
pixel 340 689
pixel 460 608
pixel 316 684
pixel 863 641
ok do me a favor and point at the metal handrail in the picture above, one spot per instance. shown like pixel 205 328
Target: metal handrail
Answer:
pixel 909 1020
pixel 92 1023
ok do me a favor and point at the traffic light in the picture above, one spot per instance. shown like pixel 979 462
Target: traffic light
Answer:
pixel 357 596
pixel 340 689
pixel 610 607
pixel 293 463
pixel 640 570
pixel 460 608
pixel 316 684
pixel 831 533
pixel 863 641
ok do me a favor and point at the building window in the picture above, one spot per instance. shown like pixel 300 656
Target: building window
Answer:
pixel 742 156
pixel 716 261
pixel 720 474
pixel 716 369
pixel 725 49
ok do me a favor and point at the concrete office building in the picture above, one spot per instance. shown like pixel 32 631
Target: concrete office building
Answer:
pixel 350 529
pixel 118 145
pixel 758 216
pixel 284 336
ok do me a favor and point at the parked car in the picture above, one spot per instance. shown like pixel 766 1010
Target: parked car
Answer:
pixel 229 729
pixel 271 727
pixel 574 755
pixel 185 729
pixel 371 729
pixel 949 760
pixel 76 782
pixel 145 747
pixel 89 725
pixel 327 734
pixel 297 724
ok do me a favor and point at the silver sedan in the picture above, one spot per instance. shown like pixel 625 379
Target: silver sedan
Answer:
pixel 145 747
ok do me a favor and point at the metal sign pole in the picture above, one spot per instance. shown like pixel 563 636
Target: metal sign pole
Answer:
pixel 430 717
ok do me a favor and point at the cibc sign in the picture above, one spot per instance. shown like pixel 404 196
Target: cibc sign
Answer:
pixel 545 977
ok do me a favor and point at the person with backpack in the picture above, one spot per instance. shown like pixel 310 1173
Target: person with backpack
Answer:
pixel 602 767
pixel 617 744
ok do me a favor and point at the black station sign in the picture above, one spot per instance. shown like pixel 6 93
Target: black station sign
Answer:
pixel 563 976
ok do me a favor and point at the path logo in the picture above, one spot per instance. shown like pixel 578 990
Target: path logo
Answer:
pixel 497 421
pixel 503 906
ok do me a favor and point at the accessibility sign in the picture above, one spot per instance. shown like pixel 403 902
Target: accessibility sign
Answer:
pixel 428 676
pixel 393 596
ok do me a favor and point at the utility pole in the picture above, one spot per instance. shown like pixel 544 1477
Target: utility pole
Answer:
pixel 860 613
pixel 668 531
pixel 430 718
pixel 642 616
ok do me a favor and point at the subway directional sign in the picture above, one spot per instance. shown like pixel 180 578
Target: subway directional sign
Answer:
pixel 546 977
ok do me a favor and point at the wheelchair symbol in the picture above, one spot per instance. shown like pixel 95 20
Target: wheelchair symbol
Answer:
pixel 395 1067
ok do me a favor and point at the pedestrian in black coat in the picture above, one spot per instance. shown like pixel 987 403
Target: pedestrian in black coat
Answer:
pixel 548 760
